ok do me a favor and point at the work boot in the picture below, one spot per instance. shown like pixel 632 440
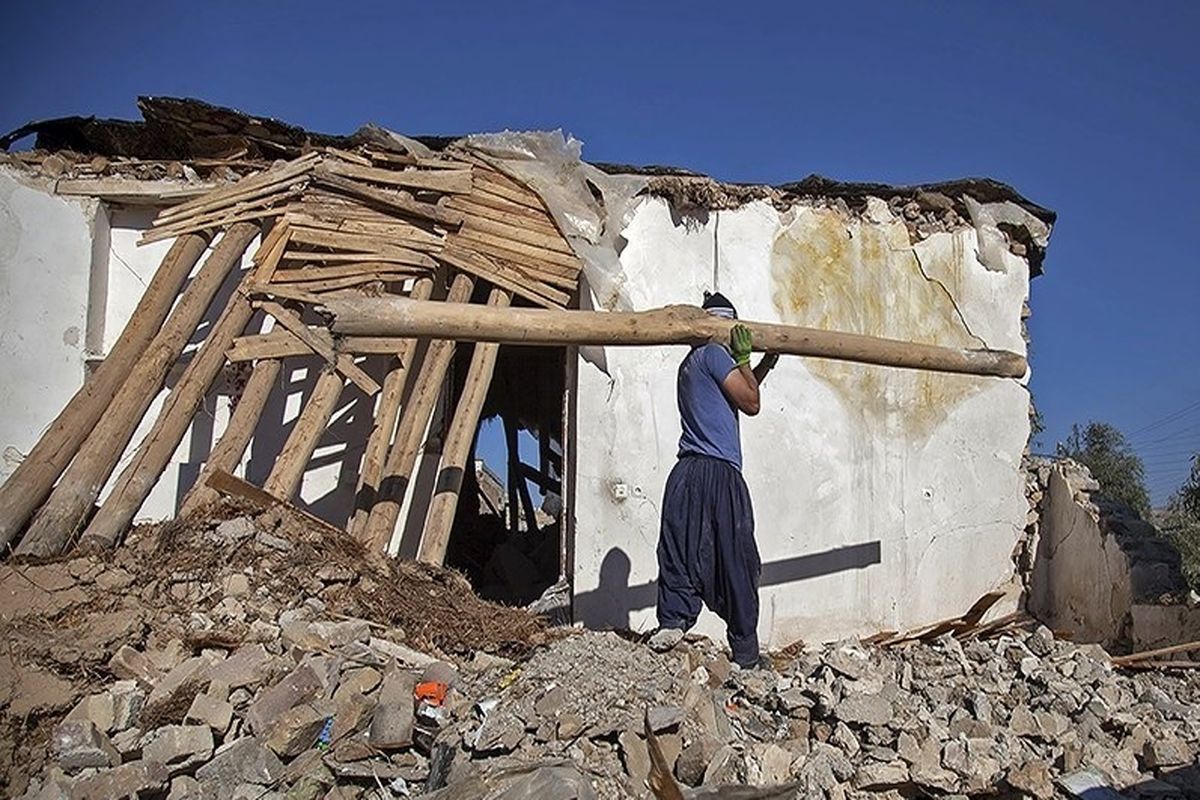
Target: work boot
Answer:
pixel 664 639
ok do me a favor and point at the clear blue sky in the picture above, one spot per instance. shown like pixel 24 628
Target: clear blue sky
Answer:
pixel 1089 108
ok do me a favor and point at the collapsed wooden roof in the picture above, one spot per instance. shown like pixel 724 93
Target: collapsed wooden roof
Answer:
pixel 377 218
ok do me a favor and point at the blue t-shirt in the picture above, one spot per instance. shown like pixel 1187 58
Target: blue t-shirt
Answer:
pixel 710 420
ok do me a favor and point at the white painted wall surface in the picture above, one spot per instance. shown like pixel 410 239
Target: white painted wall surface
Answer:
pixel 883 498
pixel 45 260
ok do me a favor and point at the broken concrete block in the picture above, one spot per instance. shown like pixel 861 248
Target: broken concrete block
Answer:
pixel 96 708
pixel 405 655
pixel 127 780
pixel 635 756
pixel 131 665
pixel 78 744
pixel 246 667
pixel 244 761
pixel 865 709
pixel 878 775
pixel 128 700
pixel 301 685
pixel 392 725
pixel 294 731
pixel 1033 779
pixel 664 718
pixel 191 671
pixel 179 747
pixel 232 531
pixel 210 711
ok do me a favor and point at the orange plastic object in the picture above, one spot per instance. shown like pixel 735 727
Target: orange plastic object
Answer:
pixel 434 692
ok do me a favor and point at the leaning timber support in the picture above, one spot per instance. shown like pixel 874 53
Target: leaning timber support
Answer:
pixel 457 446
pixel 152 456
pixel 670 325
pixel 385 419
pixel 233 442
pixel 288 471
pixel 29 485
pixel 71 501
pixel 402 457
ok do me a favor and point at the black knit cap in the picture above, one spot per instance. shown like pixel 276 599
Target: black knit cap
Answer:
pixel 715 301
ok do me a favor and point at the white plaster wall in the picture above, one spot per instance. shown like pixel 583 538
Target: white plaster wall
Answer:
pixel 45 261
pixel 884 498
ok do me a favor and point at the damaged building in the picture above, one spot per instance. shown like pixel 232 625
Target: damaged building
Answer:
pixel 872 484
pixel 227 502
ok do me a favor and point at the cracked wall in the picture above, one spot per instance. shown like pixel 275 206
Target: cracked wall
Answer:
pixel 883 498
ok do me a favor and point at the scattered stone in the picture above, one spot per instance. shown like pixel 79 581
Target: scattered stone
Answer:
pixel 248 666
pixel 211 711
pixel 243 761
pixel 635 756
pixel 127 780
pixel 97 709
pixel 392 725
pixel 79 744
pixel 179 747
pixel 235 530
pixel 295 730
pixel 300 686
pixel 1033 779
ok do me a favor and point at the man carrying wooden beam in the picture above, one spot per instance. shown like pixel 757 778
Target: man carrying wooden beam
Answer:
pixel 706 547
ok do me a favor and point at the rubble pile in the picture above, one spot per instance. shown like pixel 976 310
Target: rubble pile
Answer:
pixel 248 658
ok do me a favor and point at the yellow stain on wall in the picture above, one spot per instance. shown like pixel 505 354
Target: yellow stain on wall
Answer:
pixel 841 275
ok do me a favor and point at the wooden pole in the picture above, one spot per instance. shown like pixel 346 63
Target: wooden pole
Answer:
pixel 288 471
pixel 155 451
pixel 370 316
pixel 30 483
pixel 233 442
pixel 402 457
pixel 71 501
pixel 457 447
pixel 385 421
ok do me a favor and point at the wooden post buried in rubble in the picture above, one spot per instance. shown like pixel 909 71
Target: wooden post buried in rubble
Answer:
pixel 414 419
pixel 385 421
pixel 457 446
pixel 30 483
pixel 371 316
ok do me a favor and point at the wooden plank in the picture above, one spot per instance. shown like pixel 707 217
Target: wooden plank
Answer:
pixel 481 266
pixel 247 186
pixel 312 256
pixel 322 344
pixel 230 448
pixel 232 486
pixel 402 457
pixel 31 482
pixel 1145 655
pixel 443 181
pixel 283 291
pixel 70 504
pixel 131 191
pixel 389 200
pixel 265 268
pixel 311 288
pixel 314 274
pixel 279 343
pixel 271 240
pixel 144 469
pixel 513 250
pixel 214 223
pixel 297 451
pixel 398 316
pixel 518 234
pixel 352 241
pixel 456 447
pixel 375 453
pixel 397 231
pixel 516 216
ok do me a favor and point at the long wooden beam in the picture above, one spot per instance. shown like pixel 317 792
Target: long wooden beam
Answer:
pixel 30 484
pixel 387 316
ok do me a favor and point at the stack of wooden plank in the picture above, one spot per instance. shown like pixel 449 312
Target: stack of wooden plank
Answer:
pixel 330 222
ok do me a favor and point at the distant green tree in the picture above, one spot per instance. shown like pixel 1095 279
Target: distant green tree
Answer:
pixel 1114 465
pixel 1189 493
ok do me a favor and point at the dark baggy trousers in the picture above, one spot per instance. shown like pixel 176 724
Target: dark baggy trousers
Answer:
pixel 706 552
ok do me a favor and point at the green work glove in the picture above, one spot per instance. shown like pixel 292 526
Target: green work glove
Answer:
pixel 740 344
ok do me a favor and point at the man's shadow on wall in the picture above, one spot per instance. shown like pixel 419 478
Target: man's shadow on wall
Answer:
pixel 613 601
